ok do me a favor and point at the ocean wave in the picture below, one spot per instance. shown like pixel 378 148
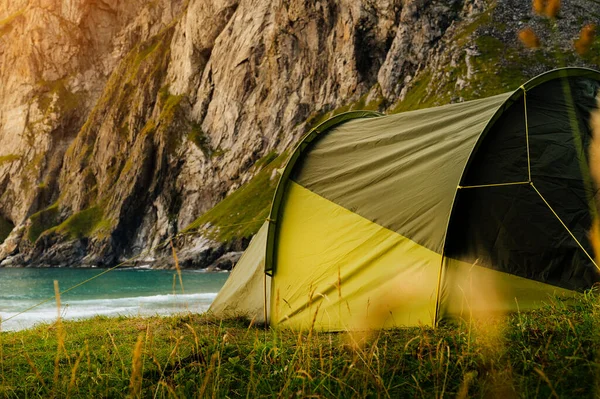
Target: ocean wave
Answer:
pixel 162 298
pixel 87 308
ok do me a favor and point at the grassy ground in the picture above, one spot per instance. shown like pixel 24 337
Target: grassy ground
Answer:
pixel 552 352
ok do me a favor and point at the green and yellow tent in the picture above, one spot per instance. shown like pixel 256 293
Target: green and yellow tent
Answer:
pixel 408 219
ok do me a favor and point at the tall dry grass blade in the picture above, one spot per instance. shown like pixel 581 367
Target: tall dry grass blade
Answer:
pixel 463 391
pixel 89 358
pixel 170 390
pixel 112 339
pixel 59 336
pixel 162 374
pixel 552 8
pixel 586 39
pixel 196 341
pixel 547 381
pixel 594 165
pixel 529 39
pixel 209 371
pixel 539 6
pixel 32 365
pixel 1 352
pixel 74 374
pixel 176 259
pixel 135 382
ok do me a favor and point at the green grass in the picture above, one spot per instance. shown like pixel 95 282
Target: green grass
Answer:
pixel 6 227
pixel 42 221
pixel 83 223
pixel 417 97
pixel 551 352
pixel 9 158
pixel 55 96
pixel 374 104
pixel 197 136
pixel 242 213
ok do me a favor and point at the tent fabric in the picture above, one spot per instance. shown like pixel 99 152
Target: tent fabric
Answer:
pixel 409 219
pixel 472 290
pixel 322 278
pixel 400 171
pixel 243 294
pixel 512 239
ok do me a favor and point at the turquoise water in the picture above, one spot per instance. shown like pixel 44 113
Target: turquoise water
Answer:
pixel 120 292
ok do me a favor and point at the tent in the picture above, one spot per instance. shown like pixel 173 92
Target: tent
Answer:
pixel 409 219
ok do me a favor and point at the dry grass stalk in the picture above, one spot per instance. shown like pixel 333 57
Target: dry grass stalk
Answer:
pixel 135 382
pixel 547 8
pixel 74 374
pixel 547 381
pixel 529 39
pixel 586 39
pixel 552 8
pixel 539 6
pixel 595 239
pixel 594 159
pixel 59 333
pixel 35 370
pixel 207 375
pixel 176 259
pixel 112 340
pixel 1 352
pixel 467 381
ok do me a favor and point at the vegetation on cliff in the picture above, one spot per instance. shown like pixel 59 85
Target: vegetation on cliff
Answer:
pixel 241 214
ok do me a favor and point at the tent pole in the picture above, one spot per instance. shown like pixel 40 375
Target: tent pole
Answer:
pixel 526 133
pixel 265 299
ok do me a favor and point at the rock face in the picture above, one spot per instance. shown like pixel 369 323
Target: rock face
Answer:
pixel 123 122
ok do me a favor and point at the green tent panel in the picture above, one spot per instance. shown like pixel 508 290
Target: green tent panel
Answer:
pixel 408 219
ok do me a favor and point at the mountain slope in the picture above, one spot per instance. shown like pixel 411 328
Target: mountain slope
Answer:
pixel 122 124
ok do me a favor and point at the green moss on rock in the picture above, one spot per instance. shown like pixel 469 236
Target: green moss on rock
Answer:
pixel 9 158
pixel 363 103
pixel 242 213
pixel 83 223
pixel 55 96
pixel 197 136
pixel 417 97
pixel 266 160
pixel 42 221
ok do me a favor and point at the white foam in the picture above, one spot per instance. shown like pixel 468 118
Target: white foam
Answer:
pixel 82 308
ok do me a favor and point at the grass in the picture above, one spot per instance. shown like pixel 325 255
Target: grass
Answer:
pixel 56 97
pixel 364 103
pixel 197 136
pixel 551 352
pixel 9 158
pixel 242 213
pixel 83 223
pixel 417 97
pixel 42 221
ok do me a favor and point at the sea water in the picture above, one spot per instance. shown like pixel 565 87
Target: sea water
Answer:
pixel 127 292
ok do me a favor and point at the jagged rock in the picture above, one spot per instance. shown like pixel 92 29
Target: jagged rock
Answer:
pixel 227 261
pixel 122 122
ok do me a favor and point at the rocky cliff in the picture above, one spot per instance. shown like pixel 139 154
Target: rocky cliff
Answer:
pixel 125 123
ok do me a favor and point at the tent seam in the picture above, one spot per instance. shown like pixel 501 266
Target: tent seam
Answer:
pixel 564 225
